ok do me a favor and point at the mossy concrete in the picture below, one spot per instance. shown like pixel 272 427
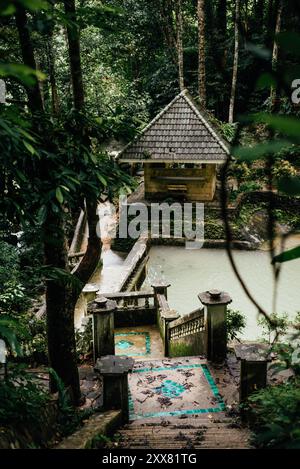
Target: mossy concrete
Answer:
pixel 96 429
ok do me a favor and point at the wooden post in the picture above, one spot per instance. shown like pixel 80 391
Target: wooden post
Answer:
pixel 216 307
pixel 114 371
pixel 103 327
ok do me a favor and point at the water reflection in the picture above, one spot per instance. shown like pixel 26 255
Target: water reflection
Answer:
pixel 192 272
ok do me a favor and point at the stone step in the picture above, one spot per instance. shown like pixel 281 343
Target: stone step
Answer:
pixel 193 433
pixel 182 422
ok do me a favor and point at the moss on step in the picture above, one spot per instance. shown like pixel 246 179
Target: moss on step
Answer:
pixel 95 433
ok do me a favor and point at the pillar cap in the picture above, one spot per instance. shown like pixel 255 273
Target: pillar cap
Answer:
pixel 114 365
pixel 103 305
pixel 101 301
pixel 90 288
pixel 214 297
pixel 170 315
pixel 160 284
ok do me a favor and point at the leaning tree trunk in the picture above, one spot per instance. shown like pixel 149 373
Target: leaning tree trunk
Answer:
pixel 180 45
pixel 235 61
pixel 92 255
pixel 60 318
pixel 201 53
pixel 273 95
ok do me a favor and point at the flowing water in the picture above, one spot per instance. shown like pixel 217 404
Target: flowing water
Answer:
pixel 193 271
pixel 106 278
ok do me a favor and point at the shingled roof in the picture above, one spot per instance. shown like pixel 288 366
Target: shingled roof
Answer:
pixel 180 133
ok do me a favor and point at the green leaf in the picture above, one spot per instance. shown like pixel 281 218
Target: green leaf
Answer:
pixel 287 256
pixel 259 151
pixel 289 185
pixel 25 74
pixel 59 195
pixel 29 147
pixel 42 213
pixel 102 179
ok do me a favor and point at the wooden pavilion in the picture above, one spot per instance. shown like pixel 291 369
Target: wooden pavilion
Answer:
pixel 180 150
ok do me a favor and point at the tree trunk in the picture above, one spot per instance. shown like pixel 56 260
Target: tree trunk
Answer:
pixel 165 8
pixel 35 100
pixel 201 53
pixel 60 313
pixel 273 95
pixel 180 45
pixel 235 61
pixel 221 32
pixel 92 256
pixel 60 309
pixel 74 55
pixel 270 23
pixel 52 78
pixel 259 16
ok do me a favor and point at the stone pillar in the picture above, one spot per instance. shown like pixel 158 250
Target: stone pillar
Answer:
pixel 103 311
pixel 90 290
pixel 165 314
pixel 168 316
pixel 114 371
pixel 160 288
pixel 89 294
pixel 216 303
pixel 254 360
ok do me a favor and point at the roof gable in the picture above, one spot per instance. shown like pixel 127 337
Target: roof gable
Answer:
pixel 180 132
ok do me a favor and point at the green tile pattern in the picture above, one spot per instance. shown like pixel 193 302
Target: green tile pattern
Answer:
pixel 147 343
pixel 220 407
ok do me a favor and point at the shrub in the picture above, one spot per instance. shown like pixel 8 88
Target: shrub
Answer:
pixel 214 230
pixel 22 399
pixel 275 411
pixel 278 327
pixel 250 186
pixel 84 338
pixel 235 323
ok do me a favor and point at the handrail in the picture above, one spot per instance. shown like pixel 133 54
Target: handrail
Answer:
pixel 125 295
pixel 162 302
pixel 192 323
pixel 187 318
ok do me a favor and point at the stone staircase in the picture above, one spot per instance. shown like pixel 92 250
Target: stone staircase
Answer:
pixel 181 403
pixel 197 432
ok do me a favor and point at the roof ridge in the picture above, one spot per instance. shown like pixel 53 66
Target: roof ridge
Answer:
pixel 198 114
pixel 189 99
pixel 151 123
